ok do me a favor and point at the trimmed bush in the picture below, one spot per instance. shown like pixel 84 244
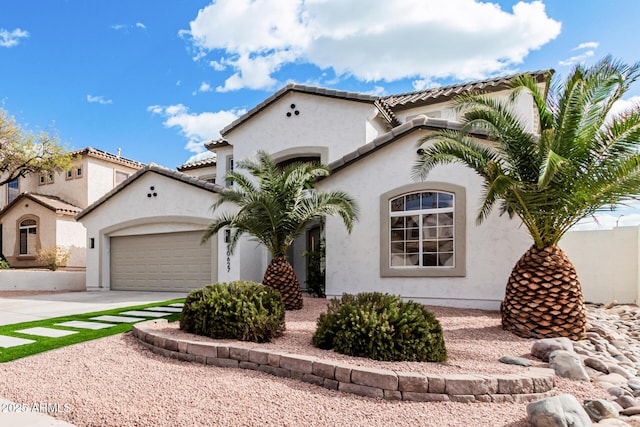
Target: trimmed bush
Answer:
pixel 245 311
pixel 381 327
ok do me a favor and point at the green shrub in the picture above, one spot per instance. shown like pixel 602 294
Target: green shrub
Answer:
pixel 4 264
pixel 382 327
pixel 239 310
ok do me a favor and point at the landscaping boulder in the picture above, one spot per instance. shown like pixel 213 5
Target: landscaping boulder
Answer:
pixel 544 347
pixel 567 364
pixel 599 409
pixel 558 411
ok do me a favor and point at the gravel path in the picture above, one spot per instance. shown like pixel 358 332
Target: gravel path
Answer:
pixel 115 381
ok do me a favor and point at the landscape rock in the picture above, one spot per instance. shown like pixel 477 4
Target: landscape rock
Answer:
pixel 599 409
pixel 596 364
pixel 514 360
pixel 633 410
pixel 544 347
pixel 610 379
pixel 567 364
pixel 558 411
pixel 626 401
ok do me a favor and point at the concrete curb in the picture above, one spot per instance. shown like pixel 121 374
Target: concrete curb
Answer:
pixel 536 383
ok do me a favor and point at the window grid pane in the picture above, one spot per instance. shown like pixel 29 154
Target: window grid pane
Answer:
pixel 426 238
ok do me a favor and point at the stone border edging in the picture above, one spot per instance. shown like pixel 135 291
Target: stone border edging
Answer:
pixel 535 384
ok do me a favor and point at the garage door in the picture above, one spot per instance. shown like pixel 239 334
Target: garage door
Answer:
pixel 161 262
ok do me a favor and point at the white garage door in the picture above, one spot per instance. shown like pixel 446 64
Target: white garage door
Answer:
pixel 162 262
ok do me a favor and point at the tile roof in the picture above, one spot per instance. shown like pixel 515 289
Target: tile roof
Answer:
pixel 412 99
pixel 152 167
pixel 99 154
pixel 53 203
pixel 210 161
pixel 387 105
pixel 419 122
pixel 217 143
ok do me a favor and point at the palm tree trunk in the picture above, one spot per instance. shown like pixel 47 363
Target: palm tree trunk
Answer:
pixel 544 298
pixel 280 276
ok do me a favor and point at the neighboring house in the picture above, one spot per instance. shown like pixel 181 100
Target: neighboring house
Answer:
pixel 38 211
pixel 418 240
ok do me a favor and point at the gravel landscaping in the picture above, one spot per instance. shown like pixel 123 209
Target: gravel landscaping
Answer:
pixel 115 381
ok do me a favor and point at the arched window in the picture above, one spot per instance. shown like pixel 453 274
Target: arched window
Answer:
pixel 423 230
pixel 28 236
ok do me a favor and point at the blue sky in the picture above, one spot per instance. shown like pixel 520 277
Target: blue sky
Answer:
pixel 158 78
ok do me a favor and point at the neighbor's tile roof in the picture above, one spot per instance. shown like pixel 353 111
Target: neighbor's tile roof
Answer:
pixel 53 203
pixel 152 167
pixel 211 161
pixel 99 154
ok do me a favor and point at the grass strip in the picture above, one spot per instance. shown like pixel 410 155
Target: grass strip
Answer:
pixel 43 344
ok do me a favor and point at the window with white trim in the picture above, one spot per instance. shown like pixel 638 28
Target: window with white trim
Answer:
pixel 422 230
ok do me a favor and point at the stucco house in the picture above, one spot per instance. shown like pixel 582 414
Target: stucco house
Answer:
pixel 416 239
pixel 38 211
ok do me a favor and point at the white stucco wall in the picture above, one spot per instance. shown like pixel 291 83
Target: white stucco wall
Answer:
pixel 177 207
pixel 353 261
pixel 27 280
pixel 337 125
pixel 607 263
pixel 73 236
pixel 523 105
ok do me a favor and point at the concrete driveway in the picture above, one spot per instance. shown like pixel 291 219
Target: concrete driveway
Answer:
pixel 46 306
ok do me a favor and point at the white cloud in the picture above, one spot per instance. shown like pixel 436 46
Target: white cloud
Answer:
pixel 577 59
pixel 199 55
pixel 386 41
pixel 197 128
pixel 218 66
pixel 205 87
pixel 424 84
pixel 126 27
pixel 377 91
pixel 200 156
pixel 623 105
pixel 99 100
pixel 12 38
pixel 587 45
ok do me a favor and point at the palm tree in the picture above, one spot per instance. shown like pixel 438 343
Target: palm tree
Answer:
pixel 276 211
pixel 579 158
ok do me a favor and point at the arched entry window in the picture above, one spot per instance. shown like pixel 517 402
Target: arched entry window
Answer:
pixel 28 230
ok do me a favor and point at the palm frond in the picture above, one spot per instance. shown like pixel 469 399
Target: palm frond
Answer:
pixel 572 162
pixel 276 204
